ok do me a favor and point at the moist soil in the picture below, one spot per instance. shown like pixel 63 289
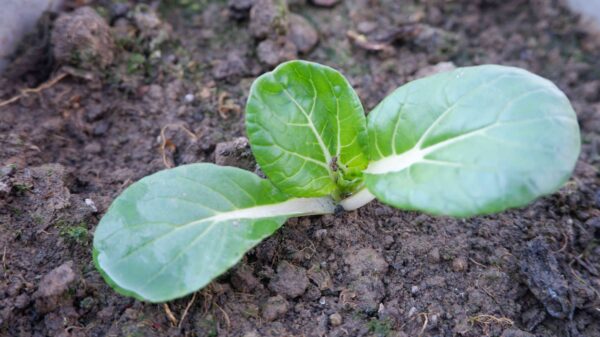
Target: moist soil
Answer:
pixel 160 85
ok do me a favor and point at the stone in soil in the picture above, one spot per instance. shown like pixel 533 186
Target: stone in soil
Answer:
pixel 83 39
pixel 290 281
pixel 335 319
pixel 460 264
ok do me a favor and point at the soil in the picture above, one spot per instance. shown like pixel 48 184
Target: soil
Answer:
pixel 174 87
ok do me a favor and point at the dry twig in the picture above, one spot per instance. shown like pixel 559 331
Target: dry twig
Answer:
pixel 185 311
pixel 425 322
pixel 225 315
pixel 170 315
pixel 486 320
pixel 226 106
pixel 166 143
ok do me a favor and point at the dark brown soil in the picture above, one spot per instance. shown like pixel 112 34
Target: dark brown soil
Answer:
pixel 68 150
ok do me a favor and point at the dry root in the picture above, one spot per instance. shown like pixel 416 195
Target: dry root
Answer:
pixel 26 91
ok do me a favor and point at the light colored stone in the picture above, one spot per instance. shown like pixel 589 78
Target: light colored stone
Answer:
pixel 335 319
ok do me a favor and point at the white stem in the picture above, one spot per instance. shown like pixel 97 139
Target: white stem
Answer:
pixel 357 200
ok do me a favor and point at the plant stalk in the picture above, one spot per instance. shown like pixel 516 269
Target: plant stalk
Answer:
pixel 357 200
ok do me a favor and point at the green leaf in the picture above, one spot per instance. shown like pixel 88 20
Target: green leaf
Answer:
pixel 307 129
pixel 472 141
pixel 171 233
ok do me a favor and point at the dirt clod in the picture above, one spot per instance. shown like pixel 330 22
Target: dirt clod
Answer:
pixel 320 277
pixel 53 285
pixel 512 332
pixel 243 280
pixel 230 69
pixel 273 52
pixel 324 3
pixel 302 33
pixel 436 41
pixel 545 280
pixel 235 153
pixel 274 308
pixel 57 281
pixel 240 9
pixel 365 261
pixel 268 18
pixel 82 38
pixel 369 293
pixel 290 281
pixel 434 69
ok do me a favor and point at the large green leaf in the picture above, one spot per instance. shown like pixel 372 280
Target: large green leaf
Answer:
pixel 471 141
pixel 171 233
pixel 307 129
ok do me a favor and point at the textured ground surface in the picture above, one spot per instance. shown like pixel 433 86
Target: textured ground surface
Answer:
pixel 374 272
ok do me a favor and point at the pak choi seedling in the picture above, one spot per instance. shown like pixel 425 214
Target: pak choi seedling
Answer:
pixel 476 140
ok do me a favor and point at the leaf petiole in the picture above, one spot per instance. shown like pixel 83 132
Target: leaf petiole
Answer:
pixel 357 200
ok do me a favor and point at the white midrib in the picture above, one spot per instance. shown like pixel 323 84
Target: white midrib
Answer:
pixel 290 208
pixel 396 163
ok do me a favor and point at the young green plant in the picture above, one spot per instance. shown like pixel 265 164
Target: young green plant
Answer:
pixel 476 140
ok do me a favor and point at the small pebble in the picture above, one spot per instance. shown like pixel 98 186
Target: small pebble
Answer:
pixel 460 264
pixel 189 98
pixel 414 290
pixel 320 234
pixel 412 311
pixel 91 204
pixel 335 319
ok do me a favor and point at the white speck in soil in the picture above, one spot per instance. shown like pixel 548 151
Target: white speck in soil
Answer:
pixel 189 98
pixel 91 204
